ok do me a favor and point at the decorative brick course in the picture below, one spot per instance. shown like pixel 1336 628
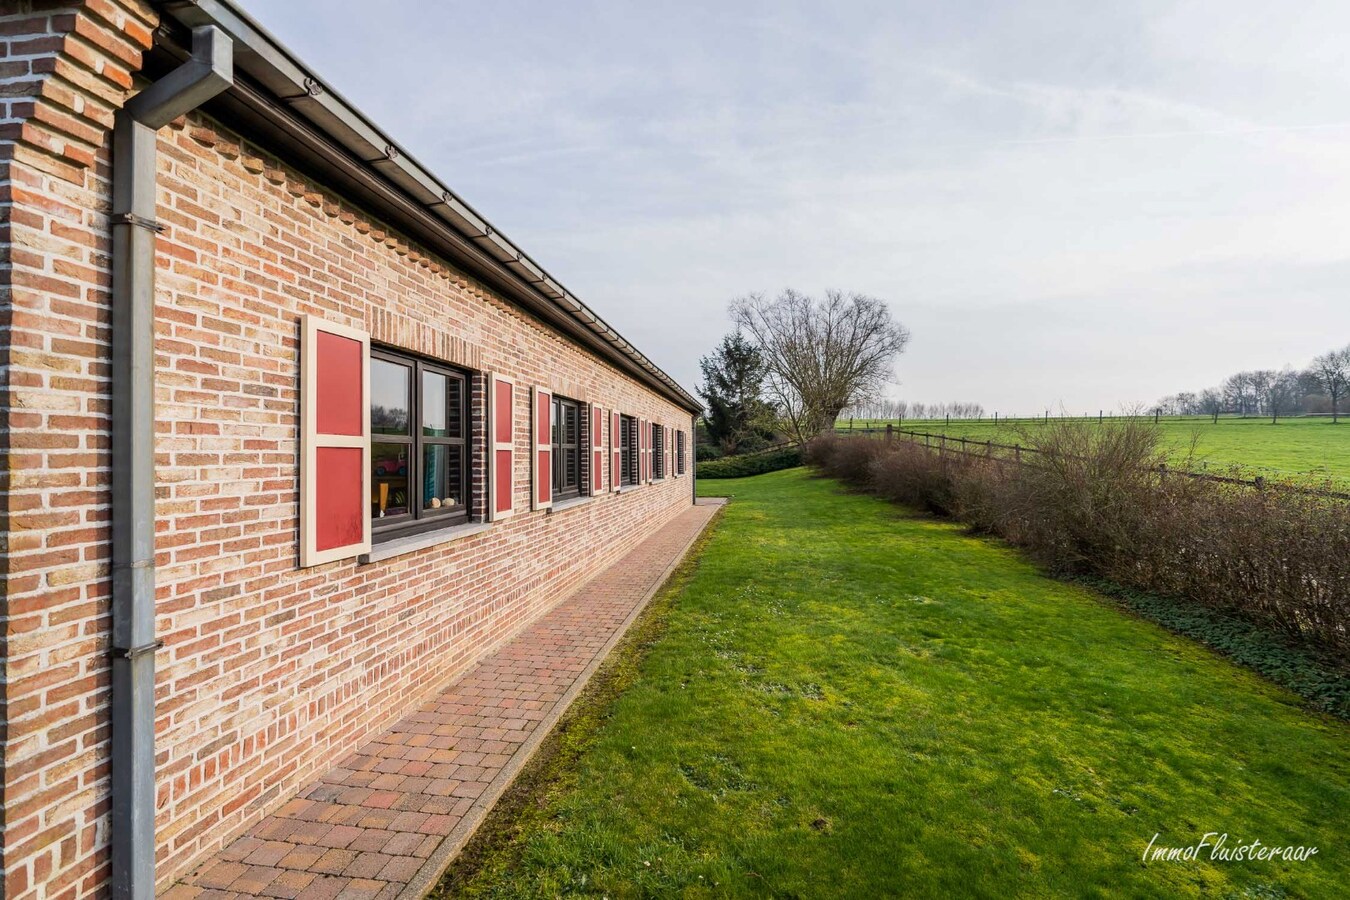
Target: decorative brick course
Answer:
pixel 269 671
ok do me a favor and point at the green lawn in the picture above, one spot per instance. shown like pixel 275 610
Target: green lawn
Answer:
pixel 839 699
pixel 1311 446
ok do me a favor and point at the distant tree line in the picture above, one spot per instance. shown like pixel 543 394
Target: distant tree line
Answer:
pixel 886 408
pixel 1319 389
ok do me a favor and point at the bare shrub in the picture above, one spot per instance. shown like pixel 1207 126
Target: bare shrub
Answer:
pixel 1096 500
pixel 910 474
pixel 848 460
pixel 1084 496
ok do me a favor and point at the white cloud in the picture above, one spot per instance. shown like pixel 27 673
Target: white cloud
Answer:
pixel 1085 203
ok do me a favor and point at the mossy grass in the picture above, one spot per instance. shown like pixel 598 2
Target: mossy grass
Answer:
pixel 838 698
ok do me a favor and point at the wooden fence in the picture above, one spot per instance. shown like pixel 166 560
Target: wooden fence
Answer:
pixel 1016 454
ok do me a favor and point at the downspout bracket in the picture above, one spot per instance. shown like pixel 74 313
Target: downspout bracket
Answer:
pixel 133 652
pixel 128 218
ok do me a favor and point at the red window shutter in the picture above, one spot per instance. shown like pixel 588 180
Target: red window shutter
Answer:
pixel 334 441
pixel 541 472
pixel 501 440
pixel 597 450
pixel 615 452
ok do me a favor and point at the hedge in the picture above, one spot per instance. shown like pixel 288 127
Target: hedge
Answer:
pixel 751 463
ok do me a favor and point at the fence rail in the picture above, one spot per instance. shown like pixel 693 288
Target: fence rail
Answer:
pixel 945 443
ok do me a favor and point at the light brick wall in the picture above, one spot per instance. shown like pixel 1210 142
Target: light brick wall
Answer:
pixel 270 673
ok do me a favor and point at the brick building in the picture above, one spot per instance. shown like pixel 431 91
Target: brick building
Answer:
pixel 293 436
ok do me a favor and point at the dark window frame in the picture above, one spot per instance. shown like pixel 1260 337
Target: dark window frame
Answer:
pixel 421 518
pixel 658 452
pixel 566 455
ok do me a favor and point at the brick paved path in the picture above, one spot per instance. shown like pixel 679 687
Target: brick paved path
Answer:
pixel 389 818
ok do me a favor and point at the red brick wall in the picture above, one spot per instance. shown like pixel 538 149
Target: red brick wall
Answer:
pixel 269 673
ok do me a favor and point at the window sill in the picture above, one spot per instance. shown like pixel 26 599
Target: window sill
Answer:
pixel 400 546
pixel 570 502
pixel 624 489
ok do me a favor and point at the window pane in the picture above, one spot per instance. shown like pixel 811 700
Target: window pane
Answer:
pixel 389 480
pixel 442 468
pixel 389 397
pixel 435 422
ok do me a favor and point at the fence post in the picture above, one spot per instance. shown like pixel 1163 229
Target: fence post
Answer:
pixel 963 446
pixel 1101 414
pixel 942 445
pixel 988 449
pixel 1162 471
pixel 1260 482
pixel 1017 452
pixel 889 433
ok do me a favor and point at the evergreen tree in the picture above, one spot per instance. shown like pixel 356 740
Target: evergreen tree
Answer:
pixel 738 419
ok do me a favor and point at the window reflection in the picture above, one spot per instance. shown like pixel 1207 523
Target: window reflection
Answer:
pixel 389 384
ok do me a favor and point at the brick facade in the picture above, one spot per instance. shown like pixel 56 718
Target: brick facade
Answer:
pixel 269 672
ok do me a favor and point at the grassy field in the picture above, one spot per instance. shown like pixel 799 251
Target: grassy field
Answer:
pixel 1300 447
pixel 837 699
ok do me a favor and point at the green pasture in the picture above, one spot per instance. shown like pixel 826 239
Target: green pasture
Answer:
pixel 1299 447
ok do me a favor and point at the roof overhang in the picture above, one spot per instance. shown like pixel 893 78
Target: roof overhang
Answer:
pixel 284 106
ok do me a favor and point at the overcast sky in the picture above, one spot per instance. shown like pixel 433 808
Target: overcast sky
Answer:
pixel 1068 203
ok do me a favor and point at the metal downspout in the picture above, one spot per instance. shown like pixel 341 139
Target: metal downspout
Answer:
pixel 209 71
pixel 693 463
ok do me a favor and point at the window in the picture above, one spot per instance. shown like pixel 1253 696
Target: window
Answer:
pixel 679 453
pixel 566 427
pixel 658 452
pixel 419 454
pixel 628 444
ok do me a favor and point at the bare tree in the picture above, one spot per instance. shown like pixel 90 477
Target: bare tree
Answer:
pixel 1211 402
pixel 823 355
pixel 1332 370
pixel 1260 381
pixel 1282 391
pixel 1238 390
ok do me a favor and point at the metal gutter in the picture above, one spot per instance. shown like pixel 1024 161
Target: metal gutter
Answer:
pixel 320 116
pixel 205 74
